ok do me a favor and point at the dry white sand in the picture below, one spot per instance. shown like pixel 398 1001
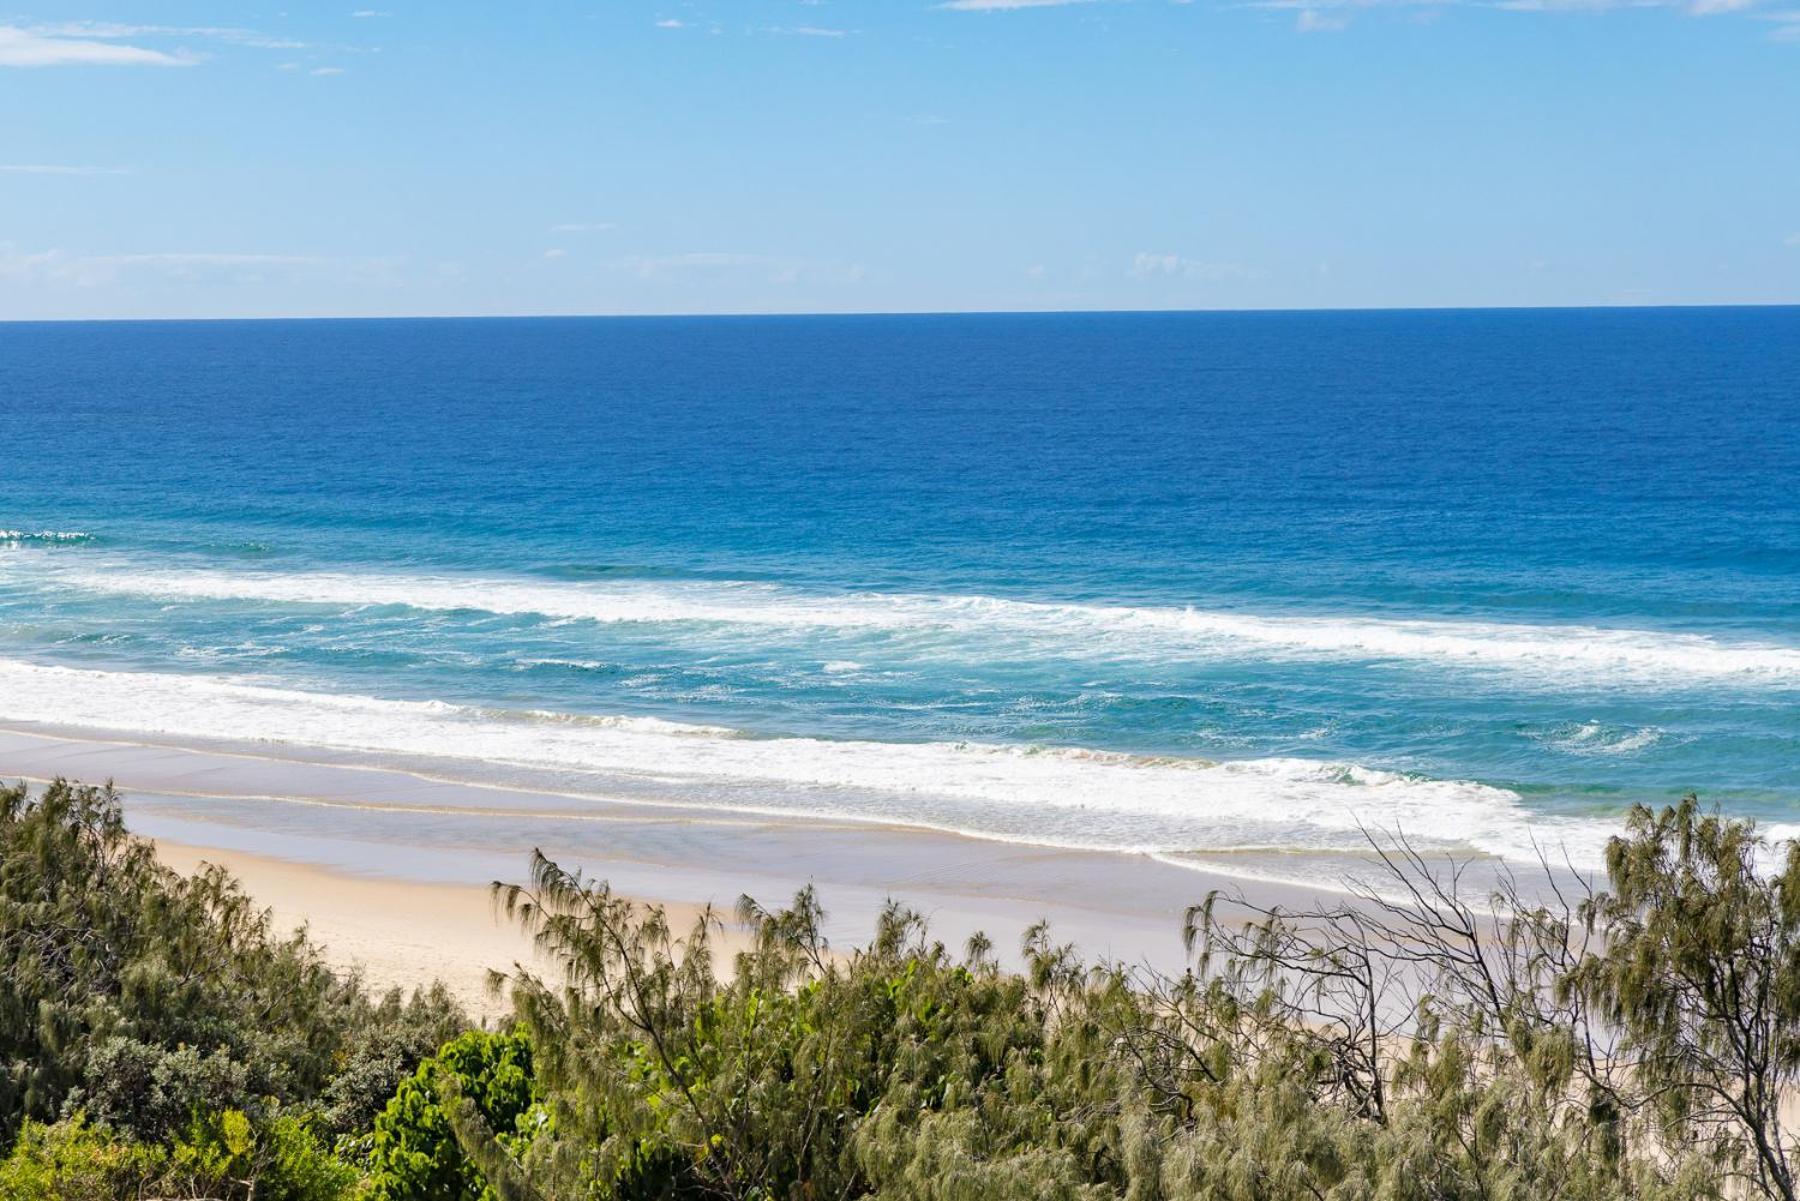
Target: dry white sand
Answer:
pixel 395 933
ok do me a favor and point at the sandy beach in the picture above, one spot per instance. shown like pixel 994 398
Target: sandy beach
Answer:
pixel 394 933
pixel 390 869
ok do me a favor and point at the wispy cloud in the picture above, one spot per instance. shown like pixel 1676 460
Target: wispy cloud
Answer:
pixel 326 71
pixel 1314 16
pixel 116 30
pixel 1148 265
pixel 648 267
pixel 1787 25
pixel 180 260
pixel 1319 20
pixel 775 269
pixel 57 268
pixel 57 169
pixel 988 6
pixel 39 48
pixel 1324 16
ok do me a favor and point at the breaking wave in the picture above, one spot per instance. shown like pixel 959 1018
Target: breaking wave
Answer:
pixel 1060 796
pixel 1554 655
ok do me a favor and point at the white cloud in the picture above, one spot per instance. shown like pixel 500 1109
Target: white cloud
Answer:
pixel 1146 265
pixel 774 269
pixel 1343 9
pixel 1314 20
pixel 988 6
pixel 57 169
pixel 114 30
pixel 326 71
pixel 647 267
pixel 1547 6
pixel 211 260
pixel 1792 241
pixel 555 252
pixel 671 23
pixel 364 14
pixel 32 48
pixel 54 268
pixel 1313 16
pixel 20 265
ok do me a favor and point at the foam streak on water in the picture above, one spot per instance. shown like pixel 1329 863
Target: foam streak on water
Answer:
pixel 1549 654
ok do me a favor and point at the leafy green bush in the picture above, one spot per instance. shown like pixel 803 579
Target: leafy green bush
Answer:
pixel 225 1154
pixel 385 1046
pixel 414 1153
pixel 73 1161
pixel 142 996
pixel 220 1156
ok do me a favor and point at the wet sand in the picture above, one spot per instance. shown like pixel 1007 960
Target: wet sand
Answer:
pixel 390 867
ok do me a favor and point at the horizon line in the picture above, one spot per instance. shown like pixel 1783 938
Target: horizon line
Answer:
pixel 854 313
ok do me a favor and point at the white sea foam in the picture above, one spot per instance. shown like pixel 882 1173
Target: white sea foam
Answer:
pixel 1552 654
pixel 44 537
pixel 1598 738
pixel 1055 796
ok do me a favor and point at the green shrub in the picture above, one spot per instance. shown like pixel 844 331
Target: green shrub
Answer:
pixel 112 962
pixel 153 1091
pixel 219 1156
pixel 414 1153
pixel 225 1154
pixel 382 1050
pixel 73 1161
pixel 140 996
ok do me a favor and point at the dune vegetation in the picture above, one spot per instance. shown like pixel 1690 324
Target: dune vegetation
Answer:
pixel 160 1039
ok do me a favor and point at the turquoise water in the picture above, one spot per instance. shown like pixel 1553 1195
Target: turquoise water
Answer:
pixel 1182 583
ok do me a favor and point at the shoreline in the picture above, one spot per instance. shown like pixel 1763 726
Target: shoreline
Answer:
pixel 200 770
pixel 304 833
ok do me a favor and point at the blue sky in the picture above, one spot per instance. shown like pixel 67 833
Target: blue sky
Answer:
pixel 696 156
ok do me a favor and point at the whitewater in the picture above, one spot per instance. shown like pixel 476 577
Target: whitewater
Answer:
pixel 1546 654
pixel 1047 796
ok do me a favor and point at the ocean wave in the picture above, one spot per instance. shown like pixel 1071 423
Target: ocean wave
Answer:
pixel 553 663
pixel 1061 796
pixel 1561 655
pixel 1599 738
pixel 44 537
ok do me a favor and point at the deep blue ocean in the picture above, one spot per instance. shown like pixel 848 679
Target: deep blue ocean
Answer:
pixel 1184 583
